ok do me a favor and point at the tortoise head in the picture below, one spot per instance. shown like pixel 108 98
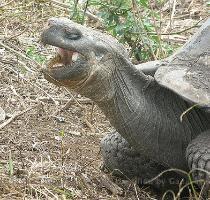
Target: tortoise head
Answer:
pixel 81 53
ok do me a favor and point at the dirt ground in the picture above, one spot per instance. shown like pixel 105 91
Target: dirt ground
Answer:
pixel 50 137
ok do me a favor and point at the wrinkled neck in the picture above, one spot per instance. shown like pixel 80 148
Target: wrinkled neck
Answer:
pixel 105 84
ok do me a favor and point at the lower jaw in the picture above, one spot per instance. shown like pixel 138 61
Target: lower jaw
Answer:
pixel 51 79
pixel 58 73
pixel 72 84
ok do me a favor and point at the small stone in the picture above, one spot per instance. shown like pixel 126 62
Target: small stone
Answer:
pixel 60 119
pixel 75 133
pixel 58 138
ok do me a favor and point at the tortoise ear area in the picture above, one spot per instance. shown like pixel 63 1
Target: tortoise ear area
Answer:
pixel 118 58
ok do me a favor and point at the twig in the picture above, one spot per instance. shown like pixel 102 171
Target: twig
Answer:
pixel 157 32
pixel 16 35
pixel 135 189
pixel 164 172
pixel 64 100
pixel 6 4
pixel 173 13
pixel 19 54
pixel 15 115
pixel 85 11
pixel 66 6
pixel 202 190
pixel 186 111
pixel 109 185
pixel 191 3
pixel 13 62
pixel 21 76
pixel 54 196
pixel 91 114
pixel 19 96
pixel 65 107
pixel 89 125
pixel 169 192
pixel 172 16
pixel 182 31
pixel 173 33
pixel 178 32
pixel 73 98
pixel 138 20
pixel 175 38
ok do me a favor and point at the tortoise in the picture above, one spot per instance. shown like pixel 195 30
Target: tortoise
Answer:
pixel 159 109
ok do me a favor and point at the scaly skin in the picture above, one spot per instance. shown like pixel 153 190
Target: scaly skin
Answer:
pixel 146 116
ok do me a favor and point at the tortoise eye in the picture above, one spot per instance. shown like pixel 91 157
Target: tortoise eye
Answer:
pixel 72 34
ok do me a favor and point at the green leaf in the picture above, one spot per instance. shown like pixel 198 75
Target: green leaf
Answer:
pixel 32 53
pixel 144 3
pixel 62 134
pixel 66 193
pixel 120 29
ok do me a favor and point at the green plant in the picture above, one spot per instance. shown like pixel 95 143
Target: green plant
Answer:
pixel 33 53
pixel 61 135
pixel 76 12
pixel 10 165
pixel 65 193
pixel 125 21
pixel 186 183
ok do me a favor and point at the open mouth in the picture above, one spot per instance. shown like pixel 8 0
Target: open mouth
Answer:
pixel 67 67
pixel 63 58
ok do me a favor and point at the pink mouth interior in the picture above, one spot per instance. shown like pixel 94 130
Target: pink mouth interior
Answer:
pixel 63 58
pixel 66 56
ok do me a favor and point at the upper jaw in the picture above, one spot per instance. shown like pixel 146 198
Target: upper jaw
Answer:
pixel 66 34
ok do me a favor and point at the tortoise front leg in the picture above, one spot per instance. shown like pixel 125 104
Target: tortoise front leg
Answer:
pixel 122 160
pixel 198 157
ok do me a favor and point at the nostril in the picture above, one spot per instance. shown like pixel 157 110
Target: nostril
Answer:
pixel 51 22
